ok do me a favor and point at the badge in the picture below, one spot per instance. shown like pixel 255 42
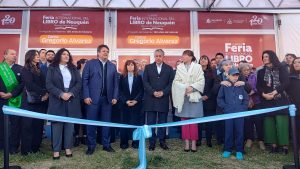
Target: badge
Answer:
pixel 241 97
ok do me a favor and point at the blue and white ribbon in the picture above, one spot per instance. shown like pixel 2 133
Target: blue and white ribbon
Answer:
pixel 141 133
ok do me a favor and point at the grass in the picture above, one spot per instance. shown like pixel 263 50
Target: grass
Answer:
pixel 175 158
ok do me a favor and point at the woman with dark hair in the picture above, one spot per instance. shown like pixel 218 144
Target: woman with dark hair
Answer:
pixel 272 80
pixel 64 85
pixel 186 93
pixel 209 100
pixel 34 99
pixel 80 139
pixel 131 93
pixel 293 90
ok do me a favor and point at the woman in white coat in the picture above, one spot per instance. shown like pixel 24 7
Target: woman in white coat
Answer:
pixel 187 88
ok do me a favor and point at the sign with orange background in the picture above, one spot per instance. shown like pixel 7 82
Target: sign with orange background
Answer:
pixel 9 41
pixel 69 29
pixel 153 29
pixel 10 19
pixel 235 20
pixel 140 59
pixel 237 47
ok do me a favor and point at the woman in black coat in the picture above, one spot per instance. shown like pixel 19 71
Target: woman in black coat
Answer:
pixel 64 85
pixel 131 93
pixel 209 99
pixel 272 80
pixel 293 90
pixel 34 99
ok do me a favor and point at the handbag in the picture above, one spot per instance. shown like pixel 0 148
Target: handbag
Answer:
pixel 33 97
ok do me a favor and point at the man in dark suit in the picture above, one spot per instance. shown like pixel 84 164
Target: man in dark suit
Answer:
pixel 10 57
pixel 100 91
pixel 158 78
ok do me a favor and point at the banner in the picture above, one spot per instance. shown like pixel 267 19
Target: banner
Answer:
pixel 9 41
pixel 10 19
pixel 78 57
pixel 171 60
pixel 140 60
pixel 225 20
pixel 69 29
pixel 237 47
pixel 153 29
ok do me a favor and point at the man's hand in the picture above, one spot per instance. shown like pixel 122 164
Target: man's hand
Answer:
pixel 66 96
pixel 88 101
pixel 114 101
pixel 45 97
pixel 7 96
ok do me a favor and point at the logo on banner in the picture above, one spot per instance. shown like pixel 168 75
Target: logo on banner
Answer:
pixel 255 20
pixel 8 20
pixel 238 52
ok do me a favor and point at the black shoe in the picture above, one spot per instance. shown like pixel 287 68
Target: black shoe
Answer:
pixel 164 146
pixel 108 149
pixel 124 146
pixel 77 141
pixel 285 151
pixel 209 144
pixel 274 150
pixel 90 151
pixel 69 155
pixel 151 147
pixel 135 146
pixel 13 152
pixel 56 158
pixel 198 143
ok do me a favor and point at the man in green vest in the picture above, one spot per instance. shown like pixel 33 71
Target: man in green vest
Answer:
pixel 11 87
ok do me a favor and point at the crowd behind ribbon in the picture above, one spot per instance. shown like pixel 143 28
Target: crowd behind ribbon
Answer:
pixel 50 83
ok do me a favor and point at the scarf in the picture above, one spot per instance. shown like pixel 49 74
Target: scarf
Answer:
pixel 193 77
pixel 272 77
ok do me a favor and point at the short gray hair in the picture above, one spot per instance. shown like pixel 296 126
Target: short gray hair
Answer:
pixel 160 51
pixel 243 66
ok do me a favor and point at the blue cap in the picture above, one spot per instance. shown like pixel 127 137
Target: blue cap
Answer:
pixel 233 71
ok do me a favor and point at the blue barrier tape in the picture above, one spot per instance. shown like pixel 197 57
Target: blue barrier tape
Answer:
pixel 142 132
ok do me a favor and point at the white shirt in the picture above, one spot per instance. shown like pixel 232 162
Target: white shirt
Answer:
pixel 66 75
pixel 158 68
pixel 130 81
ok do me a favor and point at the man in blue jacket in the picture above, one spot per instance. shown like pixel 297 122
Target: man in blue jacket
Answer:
pixel 231 99
pixel 100 82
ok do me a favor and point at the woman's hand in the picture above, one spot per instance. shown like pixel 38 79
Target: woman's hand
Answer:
pixel 226 83
pixel 268 96
pixel 45 97
pixel 189 90
pixel 239 83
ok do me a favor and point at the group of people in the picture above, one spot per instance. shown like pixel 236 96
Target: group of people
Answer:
pixel 50 83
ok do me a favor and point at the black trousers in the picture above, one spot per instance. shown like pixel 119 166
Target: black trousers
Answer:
pixel 207 126
pixel 78 126
pixel 220 128
pixel 32 130
pixel 157 118
pixel 15 133
pixel 1 127
pixel 258 121
pixel 129 116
